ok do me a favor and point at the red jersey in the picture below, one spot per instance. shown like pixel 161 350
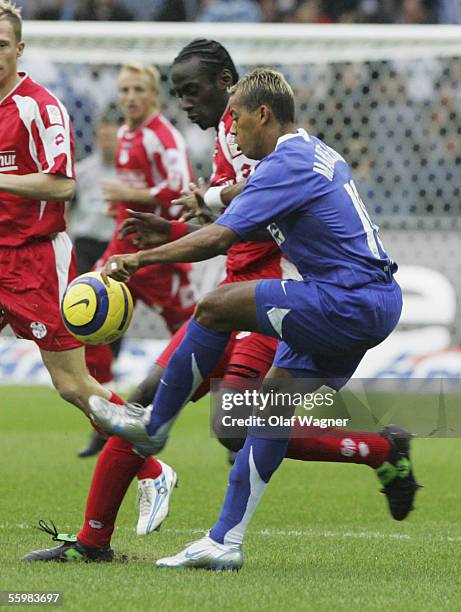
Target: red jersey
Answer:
pixel 153 156
pixel 35 136
pixel 245 260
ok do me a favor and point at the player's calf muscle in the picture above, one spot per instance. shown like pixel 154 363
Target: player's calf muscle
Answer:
pixel 68 389
pixel 71 378
pixel 145 391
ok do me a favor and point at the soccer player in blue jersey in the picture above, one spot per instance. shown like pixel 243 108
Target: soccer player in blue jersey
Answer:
pixel 347 302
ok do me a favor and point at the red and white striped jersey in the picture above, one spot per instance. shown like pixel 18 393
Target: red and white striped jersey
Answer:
pixel 245 260
pixel 154 157
pixel 35 136
pixel 229 163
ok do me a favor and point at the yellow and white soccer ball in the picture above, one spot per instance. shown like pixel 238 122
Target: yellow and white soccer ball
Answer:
pixel 94 312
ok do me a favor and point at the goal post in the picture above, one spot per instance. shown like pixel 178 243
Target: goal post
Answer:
pixel 98 42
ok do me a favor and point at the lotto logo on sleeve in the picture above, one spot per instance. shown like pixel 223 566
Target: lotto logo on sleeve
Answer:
pixel 8 161
pixel 54 114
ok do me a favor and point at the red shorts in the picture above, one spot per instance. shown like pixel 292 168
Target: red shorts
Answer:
pixel 247 359
pixel 166 288
pixel 33 279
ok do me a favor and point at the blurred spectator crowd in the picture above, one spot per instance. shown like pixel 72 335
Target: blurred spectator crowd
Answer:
pixel 397 123
pixel 290 11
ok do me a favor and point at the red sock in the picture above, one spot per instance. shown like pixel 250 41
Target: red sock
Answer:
pixel 116 467
pixel 99 358
pixel 150 469
pixel 115 399
pixel 340 446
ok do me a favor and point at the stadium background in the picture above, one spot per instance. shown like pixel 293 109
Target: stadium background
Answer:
pixel 389 100
pixel 387 97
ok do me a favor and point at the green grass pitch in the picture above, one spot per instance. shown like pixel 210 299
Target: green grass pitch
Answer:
pixel 322 538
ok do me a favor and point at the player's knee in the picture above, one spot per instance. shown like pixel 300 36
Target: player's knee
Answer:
pixel 237 439
pixel 232 444
pixel 208 311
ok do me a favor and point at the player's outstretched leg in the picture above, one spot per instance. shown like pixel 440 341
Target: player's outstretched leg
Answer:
pixel 148 428
pixel 387 452
pixel 117 465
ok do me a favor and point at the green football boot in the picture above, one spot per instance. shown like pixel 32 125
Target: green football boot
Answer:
pixel 396 474
pixel 70 549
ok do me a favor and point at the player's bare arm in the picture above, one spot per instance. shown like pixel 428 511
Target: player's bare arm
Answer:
pixel 117 191
pixel 205 243
pixel 39 186
pixel 151 230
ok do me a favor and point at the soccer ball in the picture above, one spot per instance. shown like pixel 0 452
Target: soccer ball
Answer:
pixel 96 313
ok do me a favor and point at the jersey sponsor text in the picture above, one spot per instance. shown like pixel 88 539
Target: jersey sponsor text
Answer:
pixel 8 161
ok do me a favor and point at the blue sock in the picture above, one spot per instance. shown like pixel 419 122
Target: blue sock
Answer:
pixel 250 474
pixel 190 364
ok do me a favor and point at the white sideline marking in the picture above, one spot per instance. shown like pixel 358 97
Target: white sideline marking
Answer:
pixel 292 533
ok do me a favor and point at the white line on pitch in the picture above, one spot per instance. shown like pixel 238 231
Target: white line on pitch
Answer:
pixel 293 533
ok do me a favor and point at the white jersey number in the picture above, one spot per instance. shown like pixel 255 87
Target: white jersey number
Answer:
pixel 362 212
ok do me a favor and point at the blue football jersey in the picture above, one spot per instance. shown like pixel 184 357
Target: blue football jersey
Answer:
pixel 303 192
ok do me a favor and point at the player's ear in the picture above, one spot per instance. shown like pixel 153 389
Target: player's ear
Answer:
pixel 264 114
pixel 225 78
pixel 20 50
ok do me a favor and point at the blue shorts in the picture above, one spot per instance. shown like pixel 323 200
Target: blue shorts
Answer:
pixel 325 331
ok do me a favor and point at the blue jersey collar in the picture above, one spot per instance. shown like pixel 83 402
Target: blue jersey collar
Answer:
pixel 299 132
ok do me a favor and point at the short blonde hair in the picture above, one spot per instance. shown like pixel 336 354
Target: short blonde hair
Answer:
pixel 264 86
pixel 150 71
pixel 12 13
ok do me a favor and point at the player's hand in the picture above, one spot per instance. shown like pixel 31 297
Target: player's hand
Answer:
pixel 145 229
pixel 120 267
pixel 116 190
pixel 194 201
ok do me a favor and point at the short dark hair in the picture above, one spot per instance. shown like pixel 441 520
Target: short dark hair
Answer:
pixel 212 55
pixel 269 87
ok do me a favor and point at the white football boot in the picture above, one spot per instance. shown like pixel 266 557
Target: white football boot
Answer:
pixel 128 421
pixel 154 498
pixel 205 554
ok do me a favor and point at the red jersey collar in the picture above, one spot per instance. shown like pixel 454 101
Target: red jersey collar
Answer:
pixel 23 76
